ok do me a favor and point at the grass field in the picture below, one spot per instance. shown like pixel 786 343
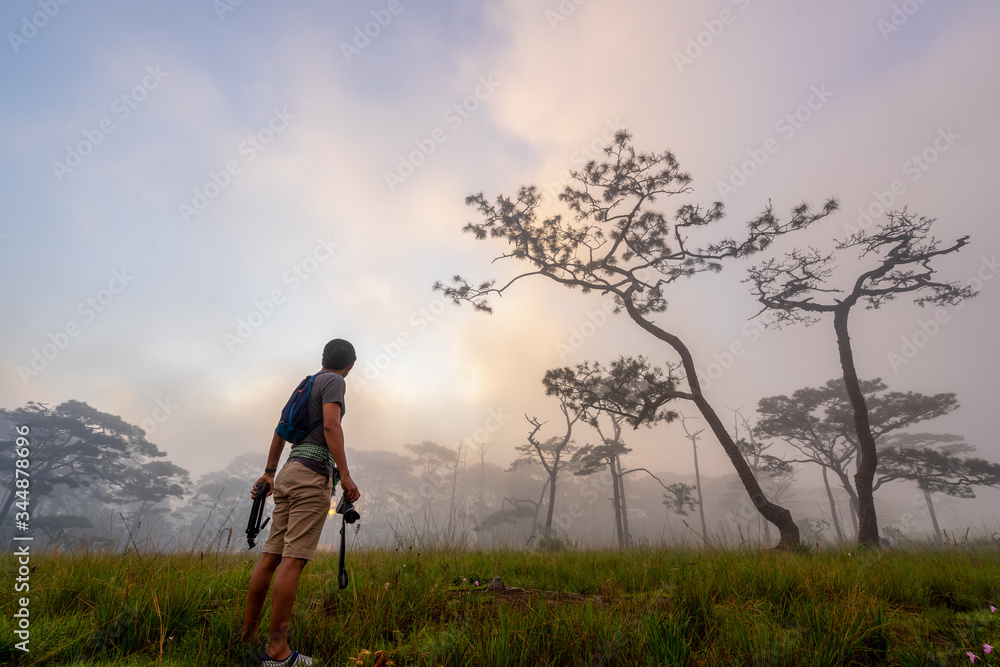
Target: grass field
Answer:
pixel 637 607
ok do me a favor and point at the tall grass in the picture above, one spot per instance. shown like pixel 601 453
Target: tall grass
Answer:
pixel 639 607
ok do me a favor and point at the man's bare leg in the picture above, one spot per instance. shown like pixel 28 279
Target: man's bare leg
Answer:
pixel 260 582
pixel 286 585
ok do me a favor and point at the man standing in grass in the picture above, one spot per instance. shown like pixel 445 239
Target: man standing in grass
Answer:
pixel 302 492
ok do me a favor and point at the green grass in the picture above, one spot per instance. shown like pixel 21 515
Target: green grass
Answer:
pixel 587 608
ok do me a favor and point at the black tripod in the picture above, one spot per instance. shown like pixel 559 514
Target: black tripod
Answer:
pixel 254 525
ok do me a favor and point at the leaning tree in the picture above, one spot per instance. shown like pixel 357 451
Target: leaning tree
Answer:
pixel 616 243
pixel 798 289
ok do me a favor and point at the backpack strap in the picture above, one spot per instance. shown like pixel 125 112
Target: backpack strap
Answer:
pixel 320 420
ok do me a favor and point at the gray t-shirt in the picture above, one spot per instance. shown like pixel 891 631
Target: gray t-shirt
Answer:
pixel 327 388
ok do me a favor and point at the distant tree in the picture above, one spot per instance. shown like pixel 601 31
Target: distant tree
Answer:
pixel 590 459
pixel 438 463
pixel 432 457
pixel 386 478
pixel 220 500
pixel 514 509
pixel 933 462
pixel 551 453
pixel 75 446
pixel 481 448
pixel 679 498
pixel 58 527
pixel 616 244
pixel 627 389
pixel 693 437
pixel 819 423
pixel 900 252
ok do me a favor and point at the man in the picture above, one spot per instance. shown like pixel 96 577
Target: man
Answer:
pixel 302 492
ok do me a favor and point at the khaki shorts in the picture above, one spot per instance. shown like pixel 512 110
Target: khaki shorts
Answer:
pixel 301 506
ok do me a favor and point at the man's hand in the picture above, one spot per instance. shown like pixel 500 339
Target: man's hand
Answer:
pixel 351 492
pixel 268 478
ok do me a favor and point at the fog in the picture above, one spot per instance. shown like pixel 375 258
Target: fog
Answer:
pixel 200 194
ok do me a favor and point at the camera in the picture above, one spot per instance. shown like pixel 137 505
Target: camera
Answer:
pixel 346 509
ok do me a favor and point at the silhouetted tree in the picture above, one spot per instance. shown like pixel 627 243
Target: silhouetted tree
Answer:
pixel 626 389
pixel 901 252
pixel 75 446
pixel 679 499
pixel 819 423
pixel 549 453
pixel 693 437
pixel 933 462
pixel 618 245
pixel 590 459
pixel 437 462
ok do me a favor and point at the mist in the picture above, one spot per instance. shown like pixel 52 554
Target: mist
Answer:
pixel 199 196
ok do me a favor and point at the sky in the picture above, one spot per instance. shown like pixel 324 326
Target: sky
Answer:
pixel 199 194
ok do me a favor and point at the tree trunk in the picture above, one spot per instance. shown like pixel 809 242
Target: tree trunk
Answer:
pixel 776 514
pixel 616 503
pixel 552 496
pixel 697 481
pixel 454 486
pixel 624 503
pixel 779 516
pixel 930 508
pixel 833 507
pixel 482 481
pixel 845 483
pixel 864 479
pixel 538 509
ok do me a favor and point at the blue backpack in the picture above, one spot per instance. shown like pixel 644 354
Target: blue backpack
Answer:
pixel 294 425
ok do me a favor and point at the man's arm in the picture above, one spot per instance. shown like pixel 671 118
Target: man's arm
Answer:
pixel 334 433
pixel 273 455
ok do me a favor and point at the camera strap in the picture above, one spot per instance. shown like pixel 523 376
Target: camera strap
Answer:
pixel 341 570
